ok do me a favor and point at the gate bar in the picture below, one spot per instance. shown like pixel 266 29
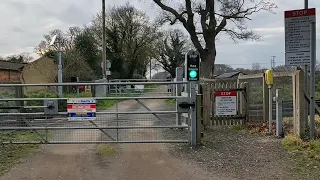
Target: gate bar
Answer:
pixel 94 84
pixel 104 132
pixel 95 142
pixel 96 98
pixel 22 107
pixel 99 128
pixel 111 112
pixel 143 105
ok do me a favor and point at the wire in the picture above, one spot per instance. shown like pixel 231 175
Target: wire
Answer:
pixel 252 63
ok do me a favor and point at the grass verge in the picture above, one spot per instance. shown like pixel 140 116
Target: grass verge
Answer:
pixel 106 150
pixel 170 101
pixel 306 155
pixel 12 153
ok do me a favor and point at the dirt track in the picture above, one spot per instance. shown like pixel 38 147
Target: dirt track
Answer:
pixel 80 162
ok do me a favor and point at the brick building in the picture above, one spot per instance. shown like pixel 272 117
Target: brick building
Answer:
pixel 10 71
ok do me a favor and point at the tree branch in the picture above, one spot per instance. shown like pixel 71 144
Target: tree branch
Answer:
pixel 222 25
pixel 212 18
pixel 171 10
pixel 188 24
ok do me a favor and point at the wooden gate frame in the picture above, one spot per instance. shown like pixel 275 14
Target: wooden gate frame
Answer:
pixel 208 105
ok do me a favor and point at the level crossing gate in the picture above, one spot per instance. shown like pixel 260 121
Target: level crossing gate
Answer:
pixel 30 115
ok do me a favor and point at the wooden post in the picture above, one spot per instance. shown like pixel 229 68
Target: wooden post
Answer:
pixel 199 118
pixel 299 119
pixel 265 100
pixel 294 96
pixel 244 105
pixel 212 102
pixel 206 104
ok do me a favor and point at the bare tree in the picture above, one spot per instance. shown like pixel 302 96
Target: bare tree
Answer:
pixel 67 40
pixel 214 17
pixel 222 68
pixel 20 58
pixel 171 50
pixel 256 66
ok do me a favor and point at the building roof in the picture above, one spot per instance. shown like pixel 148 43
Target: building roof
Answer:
pixel 14 66
pixel 228 75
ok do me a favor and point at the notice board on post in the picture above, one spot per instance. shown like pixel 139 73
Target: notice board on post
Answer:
pixel 298 36
pixel 81 109
pixel 226 103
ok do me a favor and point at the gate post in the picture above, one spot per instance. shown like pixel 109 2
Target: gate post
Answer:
pixel 199 117
pixel 179 77
pixel 193 113
pixel 265 99
pixel 279 99
pixel 244 105
pixel 299 119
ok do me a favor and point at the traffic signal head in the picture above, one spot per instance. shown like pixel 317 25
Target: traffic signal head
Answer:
pixel 192 66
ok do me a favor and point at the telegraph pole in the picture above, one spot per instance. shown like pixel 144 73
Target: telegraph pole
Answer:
pixel 272 62
pixel 60 65
pixel 104 51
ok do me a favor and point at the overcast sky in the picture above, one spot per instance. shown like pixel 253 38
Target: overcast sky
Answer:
pixel 25 21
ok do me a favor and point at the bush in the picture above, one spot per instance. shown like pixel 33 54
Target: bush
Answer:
pixel 292 143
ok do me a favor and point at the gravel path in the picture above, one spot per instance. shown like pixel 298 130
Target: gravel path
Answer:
pixel 232 154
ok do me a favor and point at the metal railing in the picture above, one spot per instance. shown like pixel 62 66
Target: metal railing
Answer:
pixel 130 119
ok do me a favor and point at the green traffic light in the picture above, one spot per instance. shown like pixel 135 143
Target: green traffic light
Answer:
pixel 193 74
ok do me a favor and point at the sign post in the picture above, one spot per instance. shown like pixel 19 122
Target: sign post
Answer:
pixel 269 81
pixel 300 48
pixel 297 36
pixel 312 80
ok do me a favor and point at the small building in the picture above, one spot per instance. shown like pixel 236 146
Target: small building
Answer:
pixel 229 75
pixel 42 70
pixel 10 71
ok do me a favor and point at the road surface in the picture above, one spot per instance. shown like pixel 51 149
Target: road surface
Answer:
pixel 133 161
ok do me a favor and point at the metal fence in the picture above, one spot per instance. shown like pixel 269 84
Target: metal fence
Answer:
pixel 256 90
pixel 121 118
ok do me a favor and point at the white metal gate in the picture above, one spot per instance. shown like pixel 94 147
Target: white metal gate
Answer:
pixel 35 115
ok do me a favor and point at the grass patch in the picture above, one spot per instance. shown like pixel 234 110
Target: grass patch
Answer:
pixel 170 101
pixel 306 155
pixel 11 153
pixel 292 143
pixel 151 86
pixel 239 128
pixel 106 150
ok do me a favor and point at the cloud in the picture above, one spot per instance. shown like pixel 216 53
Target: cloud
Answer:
pixel 23 23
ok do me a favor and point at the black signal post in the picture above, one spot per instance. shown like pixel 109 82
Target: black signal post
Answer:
pixel 193 66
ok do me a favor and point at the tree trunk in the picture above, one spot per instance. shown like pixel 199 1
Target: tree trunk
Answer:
pixel 207 64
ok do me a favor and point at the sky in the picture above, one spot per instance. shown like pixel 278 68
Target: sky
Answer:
pixel 25 21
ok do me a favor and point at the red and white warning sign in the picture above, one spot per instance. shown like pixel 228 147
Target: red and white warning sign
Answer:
pixel 226 103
